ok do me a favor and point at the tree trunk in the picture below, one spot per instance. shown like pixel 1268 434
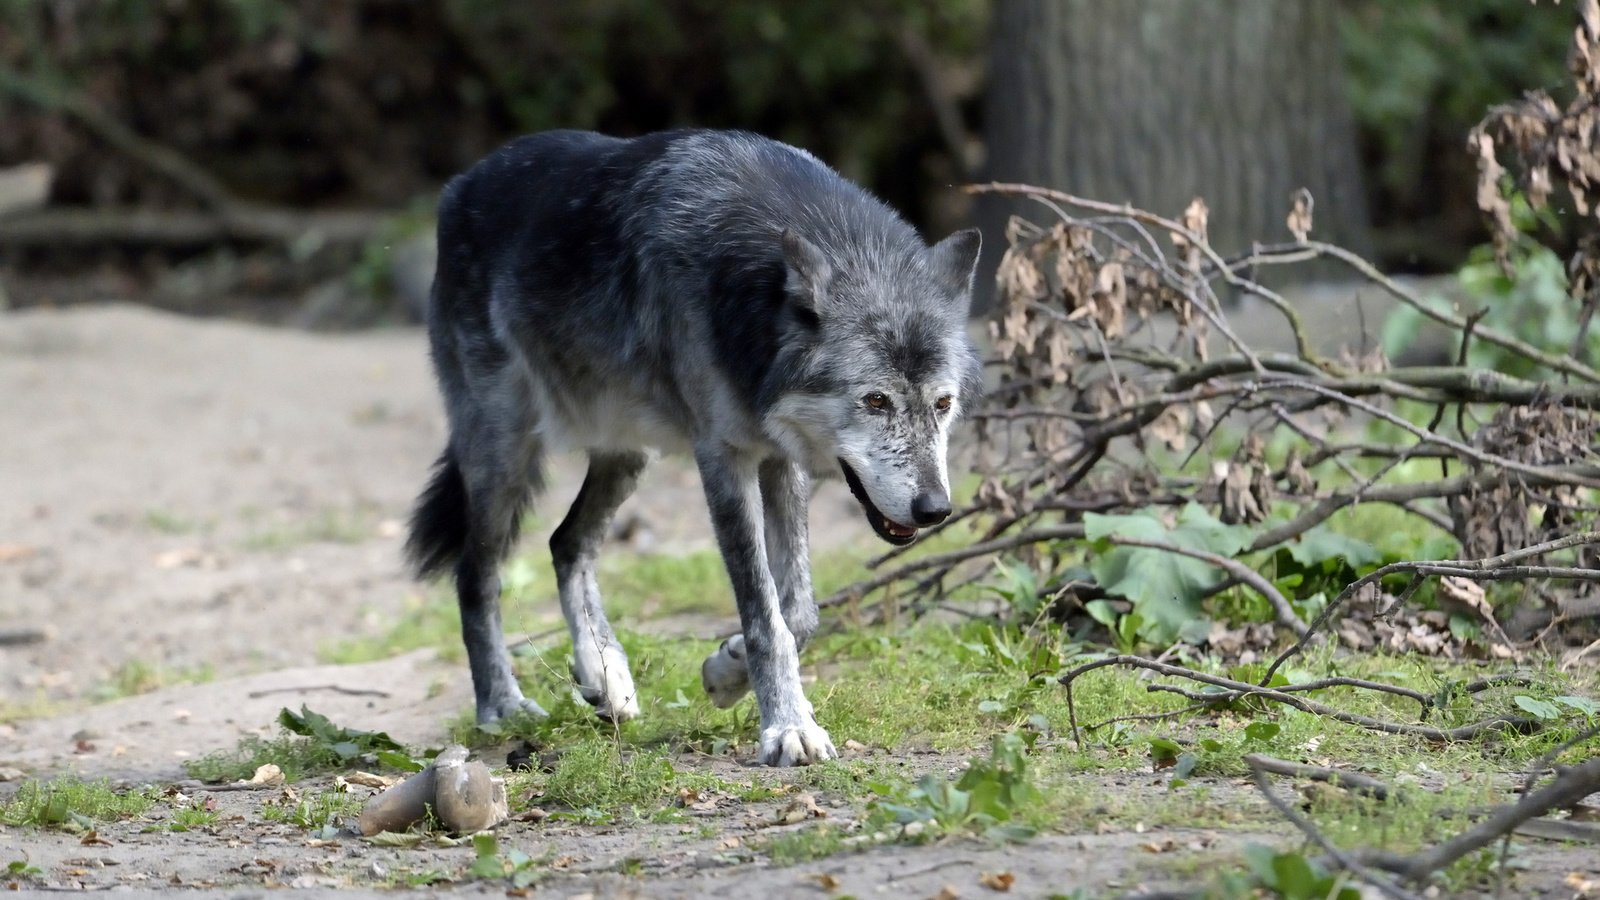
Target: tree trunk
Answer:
pixel 1155 102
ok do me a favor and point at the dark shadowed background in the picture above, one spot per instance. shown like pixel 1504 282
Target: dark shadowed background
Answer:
pixel 274 156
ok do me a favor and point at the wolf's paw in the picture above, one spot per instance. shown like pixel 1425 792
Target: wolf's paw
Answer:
pixel 610 691
pixel 724 675
pixel 508 707
pixel 796 745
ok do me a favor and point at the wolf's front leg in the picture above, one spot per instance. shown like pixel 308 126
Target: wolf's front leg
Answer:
pixel 785 502
pixel 789 731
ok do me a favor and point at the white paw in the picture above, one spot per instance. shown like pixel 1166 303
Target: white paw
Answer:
pixel 796 745
pixel 724 675
pixel 508 707
pixel 608 686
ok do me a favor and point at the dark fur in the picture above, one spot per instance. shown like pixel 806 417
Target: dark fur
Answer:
pixel 672 290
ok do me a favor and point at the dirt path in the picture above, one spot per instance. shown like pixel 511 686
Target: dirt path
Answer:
pixel 205 498
pixel 185 497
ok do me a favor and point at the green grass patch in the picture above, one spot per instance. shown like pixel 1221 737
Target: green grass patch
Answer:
pixel 137 676
pixel 168 522
pixel 320 811
pixel 427 619
pixel 16 709
pixel 328 526
pixel 192 818
pixel 596 779
pixel 70 800
pixel 805 844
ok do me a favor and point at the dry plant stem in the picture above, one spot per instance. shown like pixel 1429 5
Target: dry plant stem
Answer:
pixel 1355 782
pixel 1295 253
pixel 1287 698
pixel 1430 436
pixel 1282 610
pixel 1493 568
pixel 1147 717
pixel 1566 789
pixel 1195 240
pixel 1399 494
pixel 1344 861
pixel 951 557
pixel 1566 364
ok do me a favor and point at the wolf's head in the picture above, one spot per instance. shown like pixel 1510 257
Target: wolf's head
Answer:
pixel 880 368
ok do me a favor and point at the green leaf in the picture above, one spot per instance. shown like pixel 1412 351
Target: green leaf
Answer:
pixel 1164 750
pixel 991 706
pixel 1259 858
pixel 488 863
pixel 1322 543
pixel 1102 611
pixel 1539 709
pixel 1010 833
pixel 1582 704
pixel 1185 765
pixel 1295 878
pixel 1165 588
pixel 1261 731
pixel 397 760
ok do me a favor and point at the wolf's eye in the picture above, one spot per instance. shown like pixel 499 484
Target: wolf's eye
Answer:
pixel 942 404
pixel 876 400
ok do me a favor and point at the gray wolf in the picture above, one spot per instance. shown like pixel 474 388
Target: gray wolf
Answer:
pixel 709 292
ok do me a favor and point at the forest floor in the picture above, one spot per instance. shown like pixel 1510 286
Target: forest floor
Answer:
pixel 200 525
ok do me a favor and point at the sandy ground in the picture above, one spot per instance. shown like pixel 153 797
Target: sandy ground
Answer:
pixel 214 497
pixel 190 496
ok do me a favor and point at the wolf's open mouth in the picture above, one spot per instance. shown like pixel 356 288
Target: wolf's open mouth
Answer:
pixel 887 528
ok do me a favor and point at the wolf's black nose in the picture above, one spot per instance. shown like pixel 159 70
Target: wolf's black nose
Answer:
pixel 930 508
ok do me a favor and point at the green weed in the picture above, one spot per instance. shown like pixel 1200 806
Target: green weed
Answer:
pixel 990 798
pixel 320 812
pixel 192 817
pixel 805 845
pixel 515 867
pixel 310 744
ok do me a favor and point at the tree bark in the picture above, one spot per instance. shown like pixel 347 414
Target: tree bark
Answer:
pixel 1155 102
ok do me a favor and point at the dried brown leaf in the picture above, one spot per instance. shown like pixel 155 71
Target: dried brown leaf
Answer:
pixel 997 881
pixel 1300 215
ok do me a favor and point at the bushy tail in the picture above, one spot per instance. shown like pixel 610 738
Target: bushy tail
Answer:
pixel 440 523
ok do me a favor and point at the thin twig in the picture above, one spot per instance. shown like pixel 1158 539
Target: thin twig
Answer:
pixel 1355 782
pixel 1346 862
pixel 1565 790
pixel 1489 568
pixel 1289 698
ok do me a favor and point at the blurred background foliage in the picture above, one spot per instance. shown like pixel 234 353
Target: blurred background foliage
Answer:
pixel 373 103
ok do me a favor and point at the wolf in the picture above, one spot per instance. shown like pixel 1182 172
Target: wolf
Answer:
pixel 709 292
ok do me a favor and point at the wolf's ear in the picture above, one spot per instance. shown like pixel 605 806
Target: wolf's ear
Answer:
pixel 954 260
pixel 807 272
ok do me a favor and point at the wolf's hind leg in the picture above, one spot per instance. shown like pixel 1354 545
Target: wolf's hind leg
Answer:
pixel 785 502
pixel 500 462
pixel 494 684
pixel 600 667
